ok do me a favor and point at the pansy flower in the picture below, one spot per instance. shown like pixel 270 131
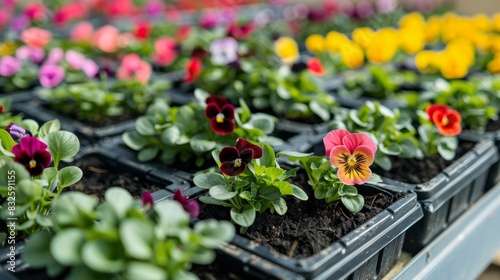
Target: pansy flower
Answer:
pixel 147 200
pixel 446 120
pixel 132 67
pixel 33 54
pixel 166 51
pixel 352 154
pixel 142 30
pixel 9 66
pixel 221 115
pixel 16 131
pixel 240 31
pixel 315 66
pixel 287 49
pixel 55 56
pixel 189 205
pixel 50 75
pixel 36 37
pixel 224 51
pixel 33 154
pixel 193 70
pixel 234 160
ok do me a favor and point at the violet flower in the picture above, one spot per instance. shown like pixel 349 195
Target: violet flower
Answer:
pixel 224 51
pixel 16 131
pixel 55 56
pixel 19 23
pixel 189 205
pixel 33 54
pixel 74 59
pixel 50 75
pixel 9 66
pixel 90 68
pixel 33 154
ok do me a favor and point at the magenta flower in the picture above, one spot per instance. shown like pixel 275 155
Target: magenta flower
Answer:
pixel 55 56
pixel 210 20
pixel 189 205
pixel 9 66
pixel 33 54
pixel 33 154
pixel 90 68
pixel 235 159
pixel 224 51
pixel 16 131
pixel 50 75
pixel 74 59
pixel 221 115
pixel 147 200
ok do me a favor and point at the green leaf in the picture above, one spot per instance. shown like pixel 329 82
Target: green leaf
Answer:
pixel 293 156
pixel 74 209
pixel 349 190
pixel 299 193
pixel 213 201
pixel 120 199
pixel 37 252
pixel 263 122
pixel 383 161
pixel 62 145
pixel 134 140
pixel 200 144
pixel 171 135
pixel 145 270
pixel 72 241
pixel 280 206
pixel 68 176
pixel 6 140
pixel 145 125
pixel 49 127
pixel 320 110
pixel 284 187
pixel 171 214
pixel 222 192
pixel 207 180
pixel 274 173
pixel 103 256
pixel 31 126
pixel 137 237
pixel 391 149
pixel 268 158
pixel 283 92
pixel 270 193
pixel 214 233
pixel 320 193
pixel 148 153
pixel 353 203
pixel 201 95
pixel 245 217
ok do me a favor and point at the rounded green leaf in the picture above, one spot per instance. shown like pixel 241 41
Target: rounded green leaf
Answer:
pixel 148 153
pixel 144 270
pixel 171 135
pixel 145 125
pixel 353 203
pixel 62 145
pixel 221 192
pixel 49 127
pixel 134 140
pixel 120 199
pixel 103 256
pixel 137 238
pixel 66 246
pixel 74 209
pixel 200 144
pixel 245 217
pixel 214 233
pixel 280 206
pixel 207 180
pixel 37 251
pixel 68 176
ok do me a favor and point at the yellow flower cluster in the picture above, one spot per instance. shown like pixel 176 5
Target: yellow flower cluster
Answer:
pixel 462 35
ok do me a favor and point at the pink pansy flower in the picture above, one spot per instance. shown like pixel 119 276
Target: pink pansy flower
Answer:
pixel 106 38
pixel 132 67
pixel 55 56
pixel 36 37
pixel 352 154
pixel 90 68
pixel 50 75
pixel 166 51
pixel 82 32
pixel 33 54
pixel 74 59
pixel 9 66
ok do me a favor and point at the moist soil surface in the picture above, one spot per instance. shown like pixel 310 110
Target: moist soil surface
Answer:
pixel 414 171
pixel 98 176
pixel 308 226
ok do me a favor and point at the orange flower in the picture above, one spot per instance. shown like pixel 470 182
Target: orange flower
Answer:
pixel 36 37
pixel 82 32
pixel 106 38
pixel 447 121
pixel 316 67
pixel 352 154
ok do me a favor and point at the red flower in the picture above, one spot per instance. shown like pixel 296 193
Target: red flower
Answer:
pixel 316 67
pixel 142 30
pixel 189 205
pixel 240 31
pixel 193 70
pixel 221 115
pixel 166 51
pixel 32 153
pixel 235 159
pixel 446 120
pixel 2 108
pixel 182 33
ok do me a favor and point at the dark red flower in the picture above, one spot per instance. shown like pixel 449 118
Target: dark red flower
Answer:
pixel 240 31
pixel 221 115
pixel 193 70
pixel 2 108
pixel 32 153
pixel 147 200
pixel 189 205
pixel 315 66
pixel 235 159
pixel 142 30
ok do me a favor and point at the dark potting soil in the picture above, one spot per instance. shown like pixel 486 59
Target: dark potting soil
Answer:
pixel 213 271
pixel 99 176
pixel 308 226
pixel 493 126
pixel 414 171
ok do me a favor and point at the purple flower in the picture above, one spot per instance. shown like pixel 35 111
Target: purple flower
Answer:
pixel 9 66
pixel 90 68
pixel 50 75
pixel 154 8
pixel 224 51
pixel 33 154
pixel 364 10
pixel 33 54
pixel 16 131
pixel 210 20
pixel 386 6
pixel 189 205
pixel 55 56
pixel 74 59
pixel 147 200
pixel 19 23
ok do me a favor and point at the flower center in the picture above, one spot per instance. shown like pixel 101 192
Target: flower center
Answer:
pixel 237 162
pixel 32 163
pixel 352 161
pixel 445 121
pixel 219 118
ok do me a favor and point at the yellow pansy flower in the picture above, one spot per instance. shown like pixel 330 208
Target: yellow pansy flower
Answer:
pixel 463 49
pixel 315 43
pixel 334 40
pixel 352 54
pixel 411 39
pixel 494 65
pixel 383 47
pixel 286 48
pixel 433 29
pixel 453 66
pixel 412 20
pixel 427 61
pixel 495 21
pixel 481 22
pixel 363 36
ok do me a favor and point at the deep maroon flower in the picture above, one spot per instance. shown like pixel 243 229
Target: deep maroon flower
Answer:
pixel 33 154
pixel 189 205
pixel 147 200
pixel 235 159
pixel 16 131
pixel 221 115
